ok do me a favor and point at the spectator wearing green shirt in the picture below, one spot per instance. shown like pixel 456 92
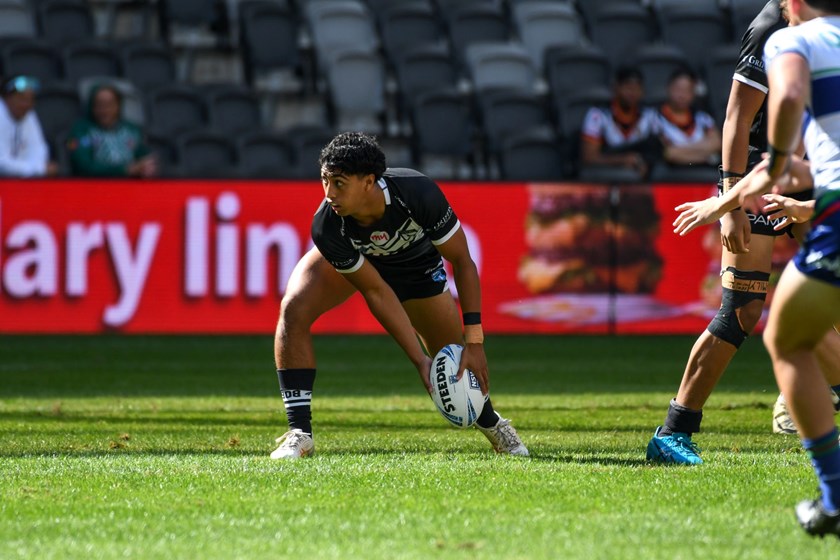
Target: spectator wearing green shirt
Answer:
pixel 103 144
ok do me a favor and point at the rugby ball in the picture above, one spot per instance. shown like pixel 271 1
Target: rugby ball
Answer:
pixel 459 401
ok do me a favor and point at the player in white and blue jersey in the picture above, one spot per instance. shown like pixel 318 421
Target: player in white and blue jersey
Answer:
pixel 803 65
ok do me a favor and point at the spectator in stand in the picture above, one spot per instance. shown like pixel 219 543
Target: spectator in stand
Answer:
pixel 623 135
pixel 23 150
pixel 689 136
pixel 103 144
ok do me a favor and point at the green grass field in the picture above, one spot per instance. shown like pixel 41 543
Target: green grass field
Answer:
pixel 157 447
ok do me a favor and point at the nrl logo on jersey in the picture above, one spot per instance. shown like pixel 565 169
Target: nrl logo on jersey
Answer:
pixel 379 237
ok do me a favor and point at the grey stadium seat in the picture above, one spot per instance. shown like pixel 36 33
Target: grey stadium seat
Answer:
pixel 58 107
pixel 505 112
pixel 264 155
pixel 148 65
pixel 694 31
pixel 425 69
pixel 175 109
pixel 84 60
pixel 534 155
pixel 575 67
pixel 357 90
pixel 476 23
pixel 501 65
pixel 16 21
pixel 32 58
pixel 406 27
pixel 63 21
pixel 204 153
pixel 618 29
pixel 545 24
pixel 269 37
pixel 657 62
pixel 233 110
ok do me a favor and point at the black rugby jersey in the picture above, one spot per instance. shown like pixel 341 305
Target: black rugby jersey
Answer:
pixel 417 217
pixel 750 68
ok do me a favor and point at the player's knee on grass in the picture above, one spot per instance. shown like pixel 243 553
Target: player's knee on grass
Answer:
pixel 741 305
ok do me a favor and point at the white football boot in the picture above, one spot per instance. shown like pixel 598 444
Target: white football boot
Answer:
pixel 294 444
pixel 783 423
pixel 504 438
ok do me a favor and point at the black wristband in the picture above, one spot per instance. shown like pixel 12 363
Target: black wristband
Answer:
pixel 772 160
pixel 472 318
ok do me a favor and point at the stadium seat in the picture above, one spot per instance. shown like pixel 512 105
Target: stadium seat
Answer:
pixel 657 62
pixel 424 69
pixel 269 39
pixel 545 24
pixel 233 110
pixel 533 155
pixel 574 67
pixel 720 67
pixel 339 25
pixel 163 149
pixel 618 29
pixel 58 107
pixel 264 154
pixel 572 108
pixel 444 126
pixel 87 59
pixel 32 57
pixel 592 8
pixel 408 26
pixel 63 21
pixel 694 30
pixel 188 23
pixel 501 66
pixel 16 21
pixel 357 91
pixel 203 153
pixel 174 109
pixel 148 65
pixel 476 23
pixel 307 143
pixel 662 7
pixel 506 112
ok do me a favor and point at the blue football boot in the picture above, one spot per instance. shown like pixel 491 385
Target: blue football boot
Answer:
pixel 677 449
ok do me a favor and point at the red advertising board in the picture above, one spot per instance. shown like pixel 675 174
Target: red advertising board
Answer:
pixel 215 257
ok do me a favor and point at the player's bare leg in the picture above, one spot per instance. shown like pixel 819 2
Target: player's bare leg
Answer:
pixel 438 323
pixel 743 301
pixel 804 310
pixel 314 288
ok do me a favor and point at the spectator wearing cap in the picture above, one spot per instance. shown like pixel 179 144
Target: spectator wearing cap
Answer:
pixel 23 150
pixel 623 135
pixel 104 144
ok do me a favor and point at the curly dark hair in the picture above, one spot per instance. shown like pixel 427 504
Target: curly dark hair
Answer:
pixel 353 153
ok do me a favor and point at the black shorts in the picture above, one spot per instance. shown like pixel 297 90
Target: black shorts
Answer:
pixel 761 224
pixel 413 282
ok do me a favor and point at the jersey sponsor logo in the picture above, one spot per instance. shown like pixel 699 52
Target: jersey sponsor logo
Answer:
pixel 442 221
pixel 405 236
pixel 754 61
pixel 379 237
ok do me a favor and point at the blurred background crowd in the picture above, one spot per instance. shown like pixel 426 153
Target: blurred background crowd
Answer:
pixel 600 90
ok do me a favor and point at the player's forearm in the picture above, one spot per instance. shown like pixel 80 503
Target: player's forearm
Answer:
pixel 386 308
pixel 469 286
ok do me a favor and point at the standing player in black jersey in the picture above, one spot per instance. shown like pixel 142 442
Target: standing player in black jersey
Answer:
pixel 746 262
pixel 381 232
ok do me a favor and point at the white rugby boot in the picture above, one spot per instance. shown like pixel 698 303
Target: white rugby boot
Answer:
pixel 294 444
pixel 783 423
pixel 504 438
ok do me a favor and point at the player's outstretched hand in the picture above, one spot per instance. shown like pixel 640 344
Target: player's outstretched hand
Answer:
pixel 696 214
pixel 793 211
pixel 473 359
pixel 735 231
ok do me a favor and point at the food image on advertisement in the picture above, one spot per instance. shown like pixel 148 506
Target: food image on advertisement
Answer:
pixel 592 255
pixel 577 243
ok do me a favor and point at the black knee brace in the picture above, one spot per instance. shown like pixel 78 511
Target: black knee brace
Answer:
pixel 739 288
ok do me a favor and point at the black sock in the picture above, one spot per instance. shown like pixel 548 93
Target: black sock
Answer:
pixel 681 420
pixel 488 417
pixel 296 388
